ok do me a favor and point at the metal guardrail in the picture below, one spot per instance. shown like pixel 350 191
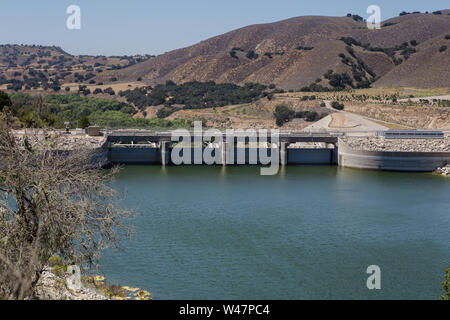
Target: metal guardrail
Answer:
pixel 411 134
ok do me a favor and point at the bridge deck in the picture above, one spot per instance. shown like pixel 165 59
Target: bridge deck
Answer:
pixel 153 136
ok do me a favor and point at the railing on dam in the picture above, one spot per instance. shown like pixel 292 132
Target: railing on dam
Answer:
pixel 128 136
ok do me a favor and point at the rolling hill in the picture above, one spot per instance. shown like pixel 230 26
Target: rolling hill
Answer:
pixel 296 52
pixel 313 53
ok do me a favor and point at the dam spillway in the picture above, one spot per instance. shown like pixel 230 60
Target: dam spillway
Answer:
pixel 291 148
pixel 157 147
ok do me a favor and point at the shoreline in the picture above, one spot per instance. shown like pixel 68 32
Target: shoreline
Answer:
pixel 54 285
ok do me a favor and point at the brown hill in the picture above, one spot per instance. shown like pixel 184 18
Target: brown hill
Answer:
pixel 294 53
pixel 428 68
pixel 291 54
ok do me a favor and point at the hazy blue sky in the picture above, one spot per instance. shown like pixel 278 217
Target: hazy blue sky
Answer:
pixel 150 26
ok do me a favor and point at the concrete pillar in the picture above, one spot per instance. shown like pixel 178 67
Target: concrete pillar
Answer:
pixel 283 153
pixel 223 148
pixel 230 152
pixel 164 149
pixel 335 154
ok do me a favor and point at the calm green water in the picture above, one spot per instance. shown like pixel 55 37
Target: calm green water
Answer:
pixel 308 233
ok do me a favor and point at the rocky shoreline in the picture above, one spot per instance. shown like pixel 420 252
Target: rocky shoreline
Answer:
pixel 64 141
pixel 69 285
pixel 444 171
pixel 397 145
pixel 54 287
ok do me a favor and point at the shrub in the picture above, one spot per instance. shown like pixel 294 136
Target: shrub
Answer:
pixel 350 51
pixel 59 270
pixel 57 264
pixel 355 17
pixel 165 112
pixel 252 55
pixel 113 290
pixel 109 91
pixel 388 24
pixel 447 37
pixel 55 261
pixel 336 105
pixel 442 49
pixel 84 122
pixel 4 100
pixel 310 116
pixel 350 41
pixel 304 48
pixel 283 114
pixel 446 285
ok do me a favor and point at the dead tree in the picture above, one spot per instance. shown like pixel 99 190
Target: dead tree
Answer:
pixel 52 202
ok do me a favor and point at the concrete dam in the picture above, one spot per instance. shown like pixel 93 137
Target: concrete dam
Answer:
pixel 158 148
pixel 138 147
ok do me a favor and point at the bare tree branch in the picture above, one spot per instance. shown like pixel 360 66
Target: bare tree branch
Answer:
pixel 53 201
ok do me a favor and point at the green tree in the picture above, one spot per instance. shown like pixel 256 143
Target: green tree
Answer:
pixel 283 114
pixel 5 101
pixel 84 122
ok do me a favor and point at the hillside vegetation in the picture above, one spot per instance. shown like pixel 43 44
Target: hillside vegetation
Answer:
pixel 54 110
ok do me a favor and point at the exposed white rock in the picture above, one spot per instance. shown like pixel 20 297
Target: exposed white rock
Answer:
pixel 52 287
pixel 445 171
pixel 407 145
pixel 73 281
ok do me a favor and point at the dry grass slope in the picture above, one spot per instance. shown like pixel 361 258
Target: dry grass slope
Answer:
pixel 279 61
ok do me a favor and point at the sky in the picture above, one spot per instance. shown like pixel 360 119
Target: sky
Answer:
pixel 154 27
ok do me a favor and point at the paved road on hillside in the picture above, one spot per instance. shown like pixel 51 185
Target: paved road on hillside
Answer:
pixel 344 121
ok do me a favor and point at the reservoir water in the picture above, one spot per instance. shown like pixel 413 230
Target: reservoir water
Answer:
pixel 307 233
